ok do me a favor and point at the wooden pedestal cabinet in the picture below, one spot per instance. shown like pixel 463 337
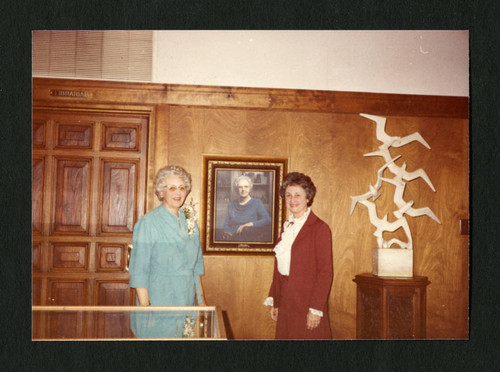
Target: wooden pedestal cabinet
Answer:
pixel 89 181
pixel 390 308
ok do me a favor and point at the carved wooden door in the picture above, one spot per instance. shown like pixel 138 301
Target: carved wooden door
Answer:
pixel 89 180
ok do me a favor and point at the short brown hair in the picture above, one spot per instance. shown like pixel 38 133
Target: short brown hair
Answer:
pixel 299 179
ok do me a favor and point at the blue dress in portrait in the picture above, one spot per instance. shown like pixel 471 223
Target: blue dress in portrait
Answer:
pixel 166 262
pixel 253 211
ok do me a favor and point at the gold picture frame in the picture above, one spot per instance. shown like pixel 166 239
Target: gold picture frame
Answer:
pixel 221 209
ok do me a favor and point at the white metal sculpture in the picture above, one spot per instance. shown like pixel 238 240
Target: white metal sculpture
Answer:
pixel 400 175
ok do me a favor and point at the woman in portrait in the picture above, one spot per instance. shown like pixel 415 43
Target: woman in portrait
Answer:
pixel 303 268
pixel 246 218
pixel 166 258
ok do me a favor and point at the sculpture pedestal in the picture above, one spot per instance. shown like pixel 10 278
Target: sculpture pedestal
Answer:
pixel 390 308
pixel 393 262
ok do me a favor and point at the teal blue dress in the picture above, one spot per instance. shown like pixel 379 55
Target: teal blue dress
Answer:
pixel 166 262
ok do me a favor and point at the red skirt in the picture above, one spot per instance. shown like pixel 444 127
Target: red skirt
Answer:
pixel 292 319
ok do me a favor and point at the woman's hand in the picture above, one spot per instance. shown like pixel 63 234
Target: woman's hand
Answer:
pixel 274 313
pixel 312 320
pixel 240 229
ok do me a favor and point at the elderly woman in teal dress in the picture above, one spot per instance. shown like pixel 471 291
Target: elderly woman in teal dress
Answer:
pixel 246 218
pixel 166 259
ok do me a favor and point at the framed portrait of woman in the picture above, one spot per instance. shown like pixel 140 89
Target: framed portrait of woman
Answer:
pixel 243 210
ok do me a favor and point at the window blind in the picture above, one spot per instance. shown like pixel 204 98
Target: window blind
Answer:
pixel 108 55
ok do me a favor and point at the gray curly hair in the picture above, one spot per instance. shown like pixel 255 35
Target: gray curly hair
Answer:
pixel 243 177
pixel 171 170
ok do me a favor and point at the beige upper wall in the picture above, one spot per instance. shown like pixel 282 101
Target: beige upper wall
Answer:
pixel 405 62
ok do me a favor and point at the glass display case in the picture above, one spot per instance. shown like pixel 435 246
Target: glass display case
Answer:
pixel 127 323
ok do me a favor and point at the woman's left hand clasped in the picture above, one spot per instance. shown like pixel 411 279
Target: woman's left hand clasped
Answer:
pixel 312 320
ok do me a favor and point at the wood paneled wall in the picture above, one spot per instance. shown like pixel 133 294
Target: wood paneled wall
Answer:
pixel 330 148
pixel 322 135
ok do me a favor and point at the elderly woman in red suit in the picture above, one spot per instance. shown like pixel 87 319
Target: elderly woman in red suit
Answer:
pixel 303 268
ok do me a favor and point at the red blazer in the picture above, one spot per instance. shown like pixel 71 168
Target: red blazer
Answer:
pixel 311 272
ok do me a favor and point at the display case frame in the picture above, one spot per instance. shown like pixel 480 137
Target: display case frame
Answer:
pixel 112 323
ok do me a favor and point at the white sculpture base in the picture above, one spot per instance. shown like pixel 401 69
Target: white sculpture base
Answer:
pixel 393 262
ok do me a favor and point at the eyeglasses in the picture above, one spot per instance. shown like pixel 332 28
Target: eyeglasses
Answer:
pixel 174 188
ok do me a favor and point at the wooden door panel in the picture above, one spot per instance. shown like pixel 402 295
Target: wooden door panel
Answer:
pixel 113 293
pixel 36 297
pixel 113 324
pixel 36 292
pixel 36 259
pixel 67 324
pixel 73 135
pixel 110 257
pixel 69 256
pixel 67 293
pixel 118 136
pixel 72 200
pixel 37 194
pixel 39 133
pixel 118 196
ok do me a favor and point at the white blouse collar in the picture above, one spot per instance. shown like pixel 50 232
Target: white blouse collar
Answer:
pixel 283 249
pixel 301 219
